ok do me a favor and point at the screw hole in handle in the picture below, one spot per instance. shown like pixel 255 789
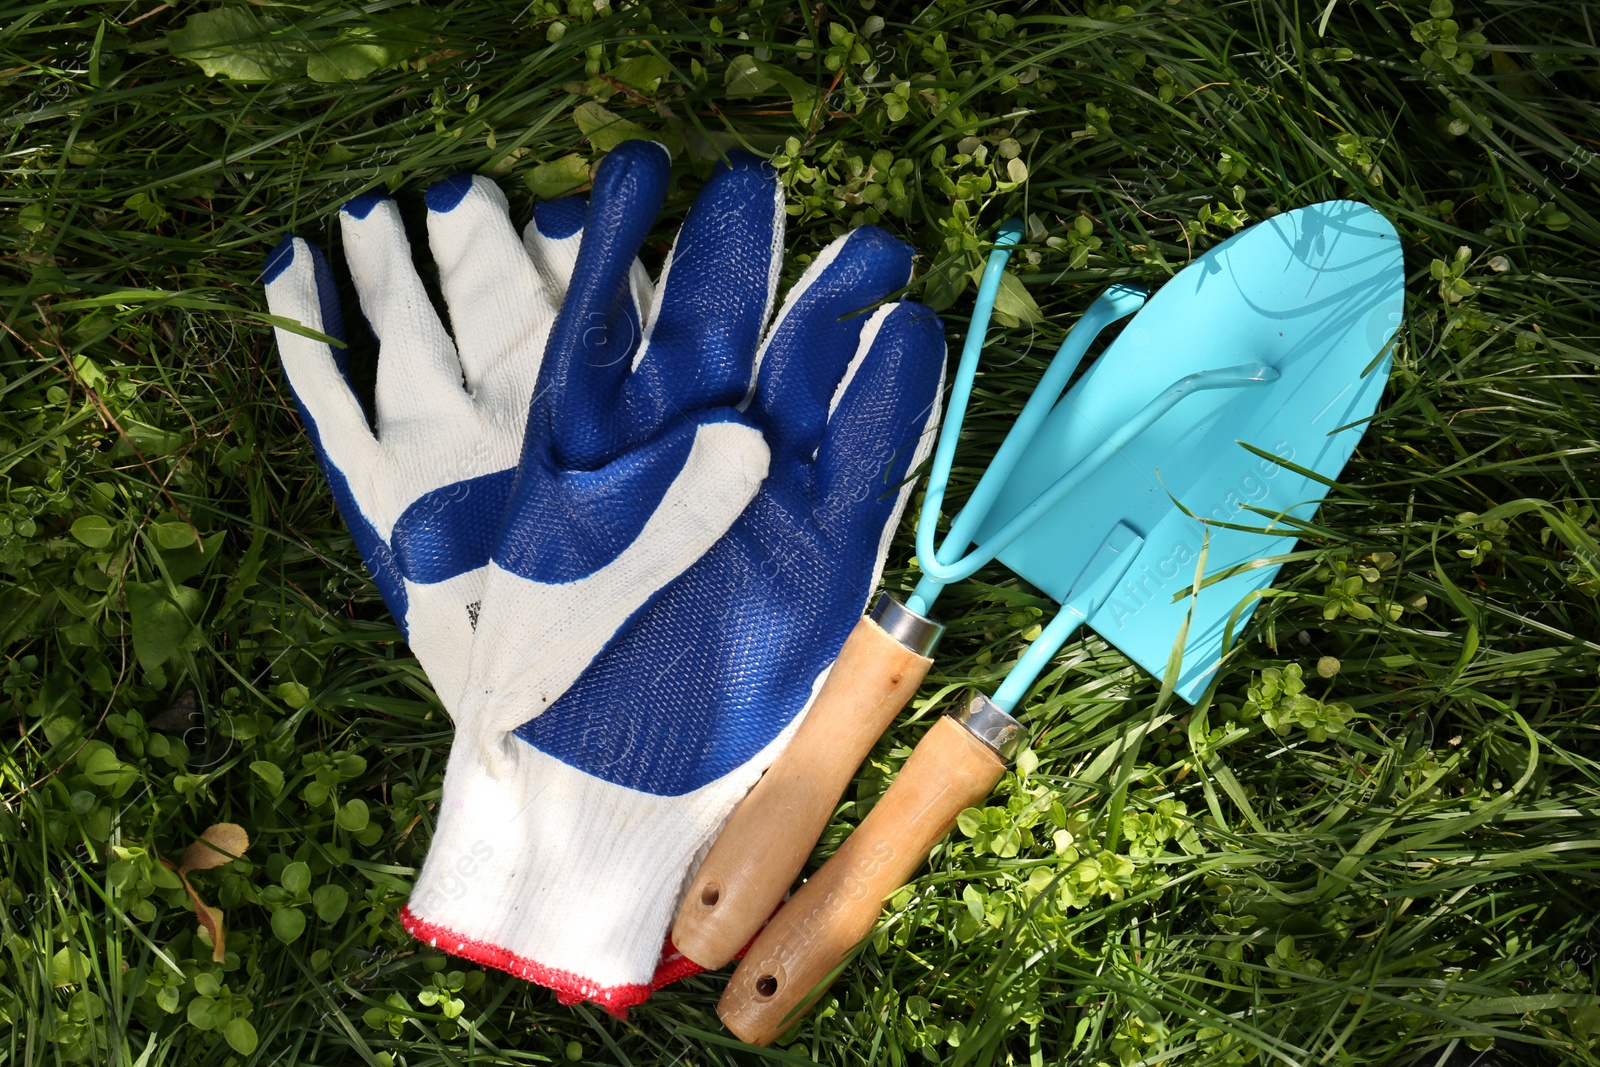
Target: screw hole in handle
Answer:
pixel 710 895
pixel 766 986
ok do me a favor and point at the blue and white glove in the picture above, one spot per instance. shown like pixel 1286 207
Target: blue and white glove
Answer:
pixel 581 791
pixel 423 495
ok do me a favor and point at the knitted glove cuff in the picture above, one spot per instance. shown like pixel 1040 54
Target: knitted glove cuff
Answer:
pixel 561 878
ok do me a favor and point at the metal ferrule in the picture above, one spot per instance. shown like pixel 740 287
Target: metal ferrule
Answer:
pixel 917 634
pixel 984 720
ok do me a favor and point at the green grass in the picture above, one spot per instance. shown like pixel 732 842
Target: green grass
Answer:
pixel 1414 888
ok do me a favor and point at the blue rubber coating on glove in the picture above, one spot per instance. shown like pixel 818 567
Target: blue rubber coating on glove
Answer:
pixel 715 300
pixel 278 260
pixel 560 219
pixel 708 319
pixel 797 374
pixel 443 196
pixel 332 316
pixel 709 671
pixel 374 551
pixel 711 330
pixel 360 207
pixel 575 411
pixel 601 512
pixel 589 408
pixel 452 530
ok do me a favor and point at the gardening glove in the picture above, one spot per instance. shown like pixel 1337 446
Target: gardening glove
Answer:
pixel 423 495
pixel 579 794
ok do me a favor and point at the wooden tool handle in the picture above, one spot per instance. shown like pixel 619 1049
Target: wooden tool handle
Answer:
pixel 770 835
pixel 949 770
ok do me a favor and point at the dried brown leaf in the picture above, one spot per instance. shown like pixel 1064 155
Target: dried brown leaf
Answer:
pixel 208 917
pixel 220 844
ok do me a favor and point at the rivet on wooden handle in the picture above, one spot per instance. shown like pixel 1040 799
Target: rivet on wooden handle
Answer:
pixel 770 835
pixel 949 770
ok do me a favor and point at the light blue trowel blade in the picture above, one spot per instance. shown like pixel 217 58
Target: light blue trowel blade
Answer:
pixel 1315 294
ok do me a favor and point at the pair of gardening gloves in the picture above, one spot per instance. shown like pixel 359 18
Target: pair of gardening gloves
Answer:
pixel 624 527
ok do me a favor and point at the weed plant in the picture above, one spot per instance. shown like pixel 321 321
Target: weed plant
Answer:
pixel 1376 840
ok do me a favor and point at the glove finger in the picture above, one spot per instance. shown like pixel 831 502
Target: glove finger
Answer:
pixel 552 239
pixel 417 367
pixel 597 330
pixel 880 426
pixel 300 287
pixel 496 298
pixel 714 297
pixel 813 348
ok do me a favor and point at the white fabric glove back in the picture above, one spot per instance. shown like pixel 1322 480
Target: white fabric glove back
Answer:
pixel 423 495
